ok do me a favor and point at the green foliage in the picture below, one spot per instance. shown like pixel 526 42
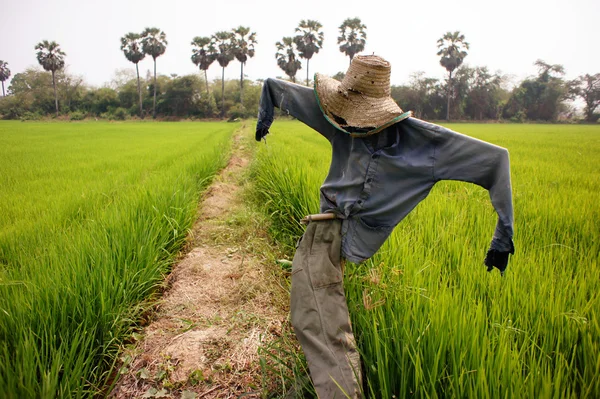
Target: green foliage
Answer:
pixel 203 55
pixel 4 75
pixel 243 48
pixel 540 98
pixel 353 37
pixel 235 113
pixel 131 45
pixel 309 41
pixel 283 182
pixel 119 114
pixel 91 218
pixel 128 95
pixel 160 83
pixel 588 88
pixel 203 52
pixel 243 43
pixel 475 92
pixel 225 47
pixel 154 42
pixel 30 116
pixel 71 90
pixel 429 320
pixel 477 95
pixel 309 38
pixel 181 96
pixel 4 71
pixel 77 116
pixel 177 97
pixel 50 56
pixel 33 91
pixel 452 50
pixel 225 52
pixel 207 106
pixel 252 92
pixel 452 53
pixel 424 96
pixel 11 108
pixel 339 76
pixel 231 98
pixel 485 97
pixel 102 100
pixel 287 57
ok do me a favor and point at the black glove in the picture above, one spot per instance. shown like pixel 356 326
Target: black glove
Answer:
pixel 260 133
pixel 496 259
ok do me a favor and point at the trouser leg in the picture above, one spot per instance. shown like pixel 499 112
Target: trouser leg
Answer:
pixel 320 314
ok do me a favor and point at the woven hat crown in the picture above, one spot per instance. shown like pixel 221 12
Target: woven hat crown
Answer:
pixel 361 104
pixel 368 75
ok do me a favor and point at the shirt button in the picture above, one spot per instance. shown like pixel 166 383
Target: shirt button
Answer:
pixel 369 180
pixel 360 202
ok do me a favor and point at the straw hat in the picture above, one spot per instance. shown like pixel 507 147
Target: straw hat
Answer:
pixel 361 104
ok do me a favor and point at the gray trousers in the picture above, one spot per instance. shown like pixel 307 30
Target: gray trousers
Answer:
pixel 319 312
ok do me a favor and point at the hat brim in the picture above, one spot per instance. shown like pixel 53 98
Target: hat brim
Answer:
pixel 353 112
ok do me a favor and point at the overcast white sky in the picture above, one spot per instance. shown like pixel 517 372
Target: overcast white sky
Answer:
pixel 504 35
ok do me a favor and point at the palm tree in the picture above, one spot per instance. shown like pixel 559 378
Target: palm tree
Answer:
pixel 132 48
pixel 352 37
pixel 452 51
pixel 224 54
pixel 243 48
pixel 203 54
pixel 287 57
pixel 154 43
pixel 309 41
pixel 4 75
pixel 51 58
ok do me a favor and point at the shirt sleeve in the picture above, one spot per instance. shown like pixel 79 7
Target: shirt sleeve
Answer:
pixel 298 101
pixel 459 157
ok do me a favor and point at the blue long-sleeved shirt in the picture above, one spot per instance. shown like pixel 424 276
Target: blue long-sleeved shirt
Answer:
pixel 375 181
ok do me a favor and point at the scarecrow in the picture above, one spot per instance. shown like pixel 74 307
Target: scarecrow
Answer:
pixel 384 162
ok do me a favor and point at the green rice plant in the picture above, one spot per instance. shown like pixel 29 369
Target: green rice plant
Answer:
pixel 91 218
pixel 429 320
pixel 285 186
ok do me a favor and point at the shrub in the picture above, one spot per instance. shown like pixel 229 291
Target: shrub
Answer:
pixel 236 112
pixel 31 116
pixel 11 108
pixel 77 116
pixel 207 106
pixel 119 114
pixel 134 110
pixel 519 117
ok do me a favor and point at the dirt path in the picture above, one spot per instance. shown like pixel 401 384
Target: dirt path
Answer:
pixel 223 300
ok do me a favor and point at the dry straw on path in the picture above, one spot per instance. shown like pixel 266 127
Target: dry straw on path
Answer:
pixel 218 310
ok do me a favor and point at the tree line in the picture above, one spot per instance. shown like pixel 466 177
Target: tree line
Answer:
pixel 468 93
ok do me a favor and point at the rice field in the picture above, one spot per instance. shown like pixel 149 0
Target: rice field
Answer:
pixel 91 218
pixel 429 320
